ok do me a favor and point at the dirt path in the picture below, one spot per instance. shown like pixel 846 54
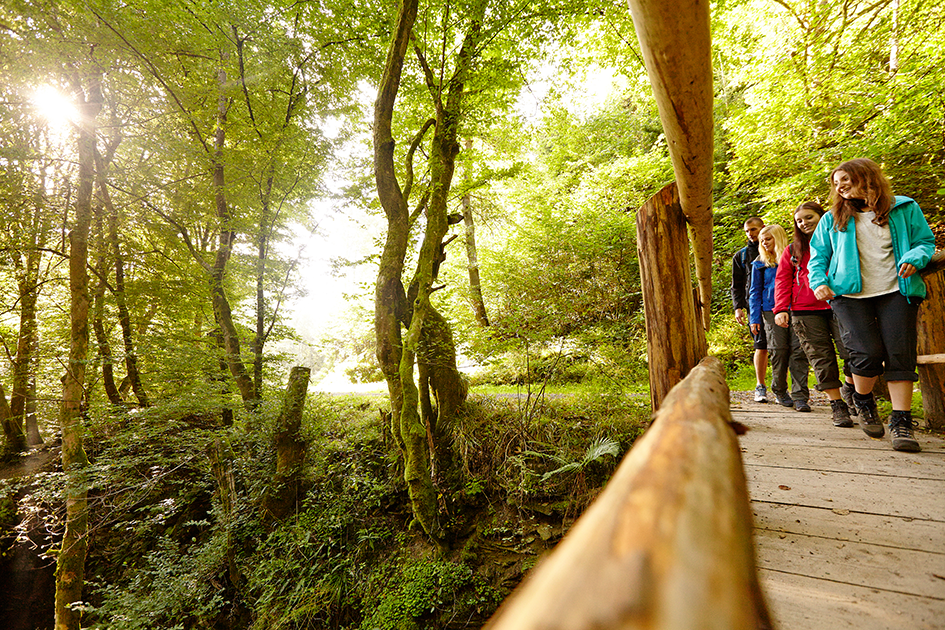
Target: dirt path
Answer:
pixel 37 460
pixel 27 583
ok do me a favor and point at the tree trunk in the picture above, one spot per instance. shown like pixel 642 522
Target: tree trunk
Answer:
pixel 894 39
pixel 70 564
pixel 472 255
pixel 676 45
pixel 104 347
pixel 221 305
pixel 389 295
pixel 675 337
pixel 15 438
pixel 262 256
pixel 124 316
pixel 28 284
pixel 283 497
pixel 32 425
pixel 98 314
pixel 440 378
pixel 221 464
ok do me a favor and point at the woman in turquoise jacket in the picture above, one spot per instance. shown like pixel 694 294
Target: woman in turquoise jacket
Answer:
pixel 865 255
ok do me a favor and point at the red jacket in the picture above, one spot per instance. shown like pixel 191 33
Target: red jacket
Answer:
pixel 792 290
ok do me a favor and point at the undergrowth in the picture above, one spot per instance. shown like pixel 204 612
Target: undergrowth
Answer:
pixel 166 553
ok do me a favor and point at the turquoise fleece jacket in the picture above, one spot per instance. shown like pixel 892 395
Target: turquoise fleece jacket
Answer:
pixel 835 261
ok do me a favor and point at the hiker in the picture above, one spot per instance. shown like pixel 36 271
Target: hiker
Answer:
pixel 865 255
pixel 812 320
pixel 741 281
pixel 784 349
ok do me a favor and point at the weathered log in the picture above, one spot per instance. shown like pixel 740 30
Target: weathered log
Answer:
pixel 676 45
pixel 668 544
pixel 675 338
pixel 931 343
pixel 283 496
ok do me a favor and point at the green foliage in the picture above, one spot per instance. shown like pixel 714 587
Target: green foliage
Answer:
pixel 415 592
pixel 597 450
pixel 507 452
pixel 170 590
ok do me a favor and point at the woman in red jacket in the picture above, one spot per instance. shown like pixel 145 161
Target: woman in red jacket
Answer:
pixel 812 320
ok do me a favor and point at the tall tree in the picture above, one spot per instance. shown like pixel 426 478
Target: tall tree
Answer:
pixel 461 69
pixel 472 253
pixel 70 563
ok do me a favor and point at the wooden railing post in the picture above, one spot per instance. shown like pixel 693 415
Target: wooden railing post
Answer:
pixel 931 346
pixel 675 336
pixel 668 544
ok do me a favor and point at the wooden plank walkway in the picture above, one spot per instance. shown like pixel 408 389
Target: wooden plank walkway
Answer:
pixel 848 532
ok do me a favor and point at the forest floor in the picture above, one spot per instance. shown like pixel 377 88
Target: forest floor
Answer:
pixel 36 460
pixel 26 578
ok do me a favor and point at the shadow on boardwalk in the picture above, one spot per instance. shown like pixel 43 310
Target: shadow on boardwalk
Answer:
pixel 848 532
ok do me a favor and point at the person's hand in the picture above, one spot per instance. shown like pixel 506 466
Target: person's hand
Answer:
pixel 906 270
pixel 782 319
pixel 740 316
pixel 755 328
pixel 823 292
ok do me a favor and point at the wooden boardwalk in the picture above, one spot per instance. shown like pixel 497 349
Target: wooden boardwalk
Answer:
pixel 848 532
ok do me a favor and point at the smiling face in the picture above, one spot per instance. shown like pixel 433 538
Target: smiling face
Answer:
pixel 767 242
pixel 846 187
pixel 806 220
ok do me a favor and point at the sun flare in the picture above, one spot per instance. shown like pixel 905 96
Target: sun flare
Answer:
pixel 54 107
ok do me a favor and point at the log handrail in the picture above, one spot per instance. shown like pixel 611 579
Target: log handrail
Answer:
pixel 668 543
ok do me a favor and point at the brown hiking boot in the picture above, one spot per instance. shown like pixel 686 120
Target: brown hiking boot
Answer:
pixel 841 414
pixel 869 418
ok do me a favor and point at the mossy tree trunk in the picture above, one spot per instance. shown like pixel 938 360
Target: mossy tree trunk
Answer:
pixel 28 278
pixel 283 496
pixel 70 564
pixel 14 437
pixel 412 420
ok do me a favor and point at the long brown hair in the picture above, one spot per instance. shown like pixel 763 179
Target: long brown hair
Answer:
pixel 801 242
pixel 866 174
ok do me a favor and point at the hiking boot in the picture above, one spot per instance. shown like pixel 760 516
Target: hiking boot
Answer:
pixel 841 414
pixel 761 393
pixel 784 400
pixel 900 430
pixel 846 393
pixel 869 416
pixel 802 405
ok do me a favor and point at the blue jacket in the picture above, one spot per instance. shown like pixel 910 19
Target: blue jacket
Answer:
pixel 761 293
pixel 835 260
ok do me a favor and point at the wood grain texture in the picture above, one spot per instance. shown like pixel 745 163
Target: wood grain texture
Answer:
pixel 676 45
pixel 675 339
pixel 849 533
pixel 668 543
pixel 931 346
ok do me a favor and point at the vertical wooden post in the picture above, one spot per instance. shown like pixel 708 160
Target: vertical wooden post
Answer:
pixel 676 43
pixel 931 346
pixel 675 337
